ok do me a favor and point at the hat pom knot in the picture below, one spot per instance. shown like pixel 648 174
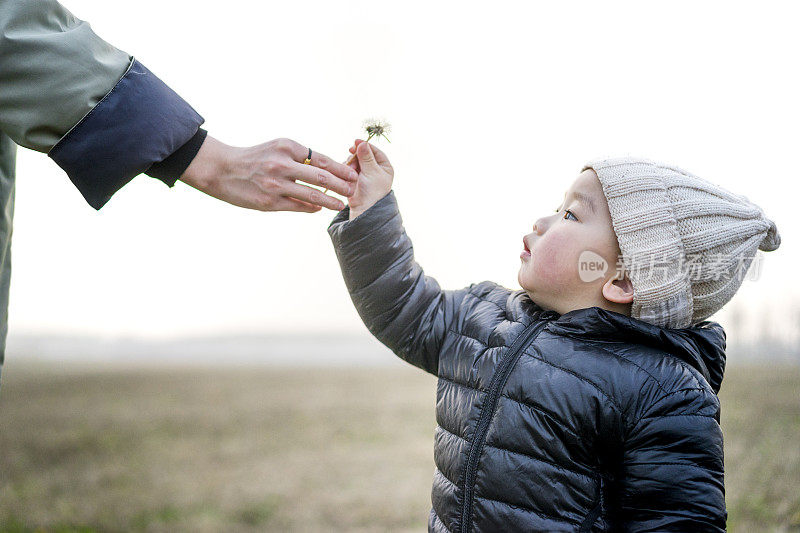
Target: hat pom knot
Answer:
pixel 772 240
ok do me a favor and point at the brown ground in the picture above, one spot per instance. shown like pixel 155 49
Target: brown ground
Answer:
pixel 304 449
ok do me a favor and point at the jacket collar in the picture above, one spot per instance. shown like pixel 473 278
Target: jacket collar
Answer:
pixel 701 345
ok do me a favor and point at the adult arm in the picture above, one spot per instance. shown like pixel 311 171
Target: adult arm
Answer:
pixel 99 113
pixel 104 118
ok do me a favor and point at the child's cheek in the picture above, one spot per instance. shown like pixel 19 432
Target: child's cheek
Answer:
pixel 555 262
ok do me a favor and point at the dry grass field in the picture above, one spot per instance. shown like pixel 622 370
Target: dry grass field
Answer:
pixel 295 449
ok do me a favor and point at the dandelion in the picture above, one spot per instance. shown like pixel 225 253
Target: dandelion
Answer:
pixel 377 128
pixel 374 128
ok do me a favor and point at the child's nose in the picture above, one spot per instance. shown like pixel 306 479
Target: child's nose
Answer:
pixel 541 225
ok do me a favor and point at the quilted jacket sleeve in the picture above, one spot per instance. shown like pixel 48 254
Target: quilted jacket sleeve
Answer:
pixel 401 306
pixel 97 112
pixel 673 466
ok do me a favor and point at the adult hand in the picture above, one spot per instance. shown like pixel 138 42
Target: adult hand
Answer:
pixel 264 177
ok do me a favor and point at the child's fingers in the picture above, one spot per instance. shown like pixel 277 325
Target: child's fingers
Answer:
pixel 366 158
pixel 352 162
pixel 353 148
pixel 380 157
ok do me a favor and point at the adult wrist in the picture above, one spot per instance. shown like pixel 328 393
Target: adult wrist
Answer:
pixel 211 161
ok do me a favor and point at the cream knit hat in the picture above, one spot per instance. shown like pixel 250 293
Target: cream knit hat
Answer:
pixel 686 243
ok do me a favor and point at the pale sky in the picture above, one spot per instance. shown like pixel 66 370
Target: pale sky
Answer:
pixel 494 108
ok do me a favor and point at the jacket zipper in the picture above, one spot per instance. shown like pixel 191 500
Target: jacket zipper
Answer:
pixel 493 394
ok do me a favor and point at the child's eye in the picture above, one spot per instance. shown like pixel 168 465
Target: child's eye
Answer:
pixel 567 212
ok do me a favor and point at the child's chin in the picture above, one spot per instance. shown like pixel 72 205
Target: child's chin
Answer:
pixel 524 282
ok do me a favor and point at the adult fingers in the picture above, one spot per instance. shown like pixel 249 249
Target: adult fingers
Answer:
pixel 296 151
pixel 323 178
pixel 337 169
pixel 311 195
pixel 290 204
pixel 299 153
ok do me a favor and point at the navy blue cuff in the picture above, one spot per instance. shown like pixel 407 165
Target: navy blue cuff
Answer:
pixel 139 122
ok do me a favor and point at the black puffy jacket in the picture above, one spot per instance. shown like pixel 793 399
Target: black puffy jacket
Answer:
pixel 586 421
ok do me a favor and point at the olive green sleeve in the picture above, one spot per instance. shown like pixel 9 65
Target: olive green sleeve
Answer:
pixel 53 71
pixel 100 114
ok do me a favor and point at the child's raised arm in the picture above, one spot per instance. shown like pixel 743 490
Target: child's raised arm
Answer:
pixel 401 306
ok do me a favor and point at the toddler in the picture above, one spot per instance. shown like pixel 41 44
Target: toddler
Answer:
pixel 587 400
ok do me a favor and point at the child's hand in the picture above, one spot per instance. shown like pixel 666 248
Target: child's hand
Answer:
pixel 375 175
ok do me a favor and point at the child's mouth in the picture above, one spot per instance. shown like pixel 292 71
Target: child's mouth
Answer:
pixel 526 253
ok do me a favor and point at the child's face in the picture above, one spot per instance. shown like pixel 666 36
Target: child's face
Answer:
pixel 560 270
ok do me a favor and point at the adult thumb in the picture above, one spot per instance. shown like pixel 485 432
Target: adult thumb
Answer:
pixel 366 159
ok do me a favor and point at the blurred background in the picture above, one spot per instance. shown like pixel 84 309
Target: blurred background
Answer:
pixel 176 363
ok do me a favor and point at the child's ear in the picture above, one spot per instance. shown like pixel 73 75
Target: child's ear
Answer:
pixel 618 290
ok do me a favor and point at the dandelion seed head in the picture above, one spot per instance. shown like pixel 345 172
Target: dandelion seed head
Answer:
pixel 377 127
